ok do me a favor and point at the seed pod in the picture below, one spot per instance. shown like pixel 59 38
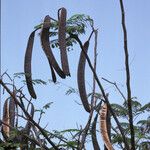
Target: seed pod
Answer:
pixel 93 132
pixel 46 47
pixel 62 40
pixel 81 77
pixel 12 111
pixel 103 127
pixel 5 128
pixel 27 65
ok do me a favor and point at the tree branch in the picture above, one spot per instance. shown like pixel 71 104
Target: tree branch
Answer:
pixel 127 77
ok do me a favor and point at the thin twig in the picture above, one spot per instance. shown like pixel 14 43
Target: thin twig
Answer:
pixel 114 83
pixel 5 73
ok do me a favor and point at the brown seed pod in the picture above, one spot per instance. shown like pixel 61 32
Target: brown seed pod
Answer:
pixel 81 77
pixel 93 131
pixel 5 128
pixel 47 49
pixel 27 65
pixel 62 13
pixel 12 111
pixel 103 127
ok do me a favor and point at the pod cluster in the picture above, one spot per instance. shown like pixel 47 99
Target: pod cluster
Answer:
pixel 45 43
pixel 9 123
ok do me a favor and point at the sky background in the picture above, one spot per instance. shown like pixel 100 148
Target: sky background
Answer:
pixel 18 19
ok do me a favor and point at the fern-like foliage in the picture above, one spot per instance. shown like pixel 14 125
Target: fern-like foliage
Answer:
pixel 141 127
pixel 76 24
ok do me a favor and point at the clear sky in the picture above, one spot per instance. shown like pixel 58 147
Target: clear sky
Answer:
pixel 18 20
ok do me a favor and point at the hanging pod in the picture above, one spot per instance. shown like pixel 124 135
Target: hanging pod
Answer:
pixel 27 65
pixel 5 129
pixel 81 77
pixel 44 36
pixel 8 117
pixel 103 127
pixel 12 112
pixel 93 134
pixel 62 14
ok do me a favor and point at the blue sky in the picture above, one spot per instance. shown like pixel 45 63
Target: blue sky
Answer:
pixel 18 20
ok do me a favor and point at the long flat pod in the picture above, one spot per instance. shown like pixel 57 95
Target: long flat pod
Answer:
pixel 12 111
pixel 5 128
pixel 62 13
pixel 81 77
pixel 103 127
pixel 27 65
pixel 93 132
pixel 47 49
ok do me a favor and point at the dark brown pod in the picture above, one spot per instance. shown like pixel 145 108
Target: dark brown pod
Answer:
pixel 62 40
pixel 27 65
pixel 47 49
pixel 81 77
pixel 93 132
pixel 103 127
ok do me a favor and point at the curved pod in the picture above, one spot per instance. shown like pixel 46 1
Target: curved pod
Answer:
pixel 93 134
pixel 12 112
pixel 47 49
pixel 103 127
pixel 81 77
pixel 27 65
pixel 5 128
pixel 62 40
